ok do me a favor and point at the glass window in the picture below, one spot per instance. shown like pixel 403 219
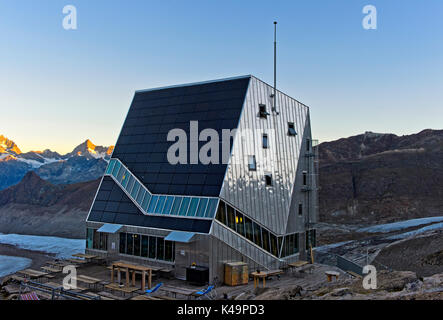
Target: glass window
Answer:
pixel 305 178
pixel 160 248
pixel 145 244
pixel 152 247
pixel 268 179
pixel 210 210
pixel 168 205
pixel 96 240
pixel 169 251
pixel 135 190
pixel 274 246
pixel 176 206
pixel 140 196
pixel 184 206
pixel 240 223
pixel 291 129
pixel 145 202
pixel 262 111
pixel 152 204
pixel 252 165
pixel 308 144
pixel 202 207
pixel 193 207
pixel 257 234
pixel 231 217
pixel 265 238
pixel 265 141
pixel 248 229
pixel 221 213
pixel 129 243
pixel 160 204
pixel 130 184
pixel 120 174
pixel 110 166
pixel 125 179
pixel 279 242
pixel 296 242
pixel 137 239
pixel 116 169
pixel 122 248
pixel 103 241
pixel 300 209
pixel 89 238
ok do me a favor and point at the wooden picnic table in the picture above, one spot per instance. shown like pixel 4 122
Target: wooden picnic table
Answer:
pixel 32 274
pixel 84 256
pixel 89 280
pixel 132 268
pixel 177 290
pixel 331 274
pixel 263 275
pixel 51 269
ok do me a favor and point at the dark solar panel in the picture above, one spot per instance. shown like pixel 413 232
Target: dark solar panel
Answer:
pixel 121 210
pixel 142 145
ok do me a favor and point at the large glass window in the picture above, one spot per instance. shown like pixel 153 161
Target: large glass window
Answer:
pixel 193 207
pixel 169 250
pixel 168 205
pixel 122 248
pixel 140 196
pixel 89 238
pixel 152 204
pixel 96 240
pixel 231 217
pixel 240 223
pixel 274 247
pixel 160 248
pixel 176 206
pixel 137 239
pixel 252 164
pixel 265 141
pixel 145 202
pixel 125 179
pixel 152 247
pixel 120 174
pixel 265 237
pixel 130 184
pixel 110 166
pixel 116 169
pixel 221 213
pixel 202 207
pixel 210 210
pixel 145 248
pixel 135 189
pixel 257 234
pixel 248 229
pixel 184 206
pixel 160 204
pixel 129 243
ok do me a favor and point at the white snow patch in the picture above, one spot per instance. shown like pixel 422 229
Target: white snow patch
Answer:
pixel 435 226
pixel 10 265
pixel 61 247
pixel 400 225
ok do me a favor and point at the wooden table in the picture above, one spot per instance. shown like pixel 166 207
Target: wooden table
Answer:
pixel 331 274
pixel 132 268
pixel 89 280
pixel 297 264
pixel 87 257
pixel 32 274
pixel 263 275
pixel 176 290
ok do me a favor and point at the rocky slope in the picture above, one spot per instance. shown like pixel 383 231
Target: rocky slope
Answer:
pixel 37 207
pixel 86 162
pixel 376 178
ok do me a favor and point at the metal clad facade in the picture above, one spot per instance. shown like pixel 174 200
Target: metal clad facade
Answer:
pixel 247 189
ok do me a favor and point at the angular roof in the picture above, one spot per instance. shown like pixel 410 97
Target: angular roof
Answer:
pixel 142 145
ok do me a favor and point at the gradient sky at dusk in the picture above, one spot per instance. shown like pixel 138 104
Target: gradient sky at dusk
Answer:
pixel 58 87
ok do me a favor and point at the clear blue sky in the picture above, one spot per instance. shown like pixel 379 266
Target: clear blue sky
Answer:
pixel 59 87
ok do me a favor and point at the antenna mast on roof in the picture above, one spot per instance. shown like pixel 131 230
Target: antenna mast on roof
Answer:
pixel 275 67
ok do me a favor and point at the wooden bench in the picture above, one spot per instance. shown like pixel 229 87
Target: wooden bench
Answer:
pixel 50 269
pixel 123 290
pixel 355 275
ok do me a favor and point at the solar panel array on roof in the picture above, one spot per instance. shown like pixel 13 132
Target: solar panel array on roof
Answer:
pixel 142 145
pixel 112 205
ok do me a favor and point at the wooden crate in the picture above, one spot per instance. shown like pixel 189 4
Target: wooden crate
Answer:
pixel 236 273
